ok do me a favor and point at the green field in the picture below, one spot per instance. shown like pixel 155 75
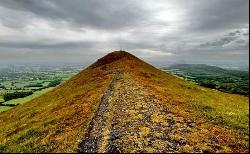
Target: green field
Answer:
pixel 1 99
pixel 4 108
pixel 23 100
pixel 30 79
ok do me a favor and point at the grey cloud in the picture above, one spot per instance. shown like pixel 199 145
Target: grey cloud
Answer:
pixel 103 14
pixel 193 29
pixel 37 45
pixel 207 15
pixel 246 34
pixel 227 39
pixel 234 33
pixel 218 43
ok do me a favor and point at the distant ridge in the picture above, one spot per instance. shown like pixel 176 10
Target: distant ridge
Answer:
pixel 198 67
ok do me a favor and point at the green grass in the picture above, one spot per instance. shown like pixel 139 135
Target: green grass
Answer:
pixel 22 100
pixel 20 84
pixel 4 108
pixel 1 99
pixel 28 98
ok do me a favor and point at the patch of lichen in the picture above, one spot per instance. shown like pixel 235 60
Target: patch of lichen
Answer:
pixel 158 118
pixel 144 131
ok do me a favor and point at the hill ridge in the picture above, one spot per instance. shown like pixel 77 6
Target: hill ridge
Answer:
pixel 145 110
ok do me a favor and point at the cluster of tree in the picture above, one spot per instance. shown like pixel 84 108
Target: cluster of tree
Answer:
pixel 234 88
pixel 51 84
pixel 37 89
pixel 55 82
pixel 14 95
pixel 34 85
pixel 207 83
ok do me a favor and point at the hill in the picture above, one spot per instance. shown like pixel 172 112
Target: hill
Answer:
pixel 205 69
pixel 231 81
pixel 122 104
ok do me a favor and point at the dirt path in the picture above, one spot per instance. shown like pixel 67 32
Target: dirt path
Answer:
pixel 130 119
pixel 98 132
pixel 142 124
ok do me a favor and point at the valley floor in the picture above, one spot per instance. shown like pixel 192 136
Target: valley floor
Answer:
pixel 131 119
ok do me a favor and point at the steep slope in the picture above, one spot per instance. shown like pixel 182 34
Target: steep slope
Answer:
pixel 122 104
pixel 55 121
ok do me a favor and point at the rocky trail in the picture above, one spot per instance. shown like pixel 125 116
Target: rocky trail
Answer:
pixel 130 119
pixel 97 134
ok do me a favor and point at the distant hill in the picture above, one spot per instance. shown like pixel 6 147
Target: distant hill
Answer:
pixel 205 69
pixel 232 81
pixel 122 104
pixel 198 68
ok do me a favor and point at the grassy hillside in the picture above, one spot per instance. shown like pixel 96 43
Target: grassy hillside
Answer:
pixel 230 110
pixel 58 120
pixel 214 105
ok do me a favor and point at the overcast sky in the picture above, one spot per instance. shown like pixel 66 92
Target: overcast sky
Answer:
pixel 158 31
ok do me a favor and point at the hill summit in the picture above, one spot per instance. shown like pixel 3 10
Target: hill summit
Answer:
pixel 114 56
pixel 122 104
